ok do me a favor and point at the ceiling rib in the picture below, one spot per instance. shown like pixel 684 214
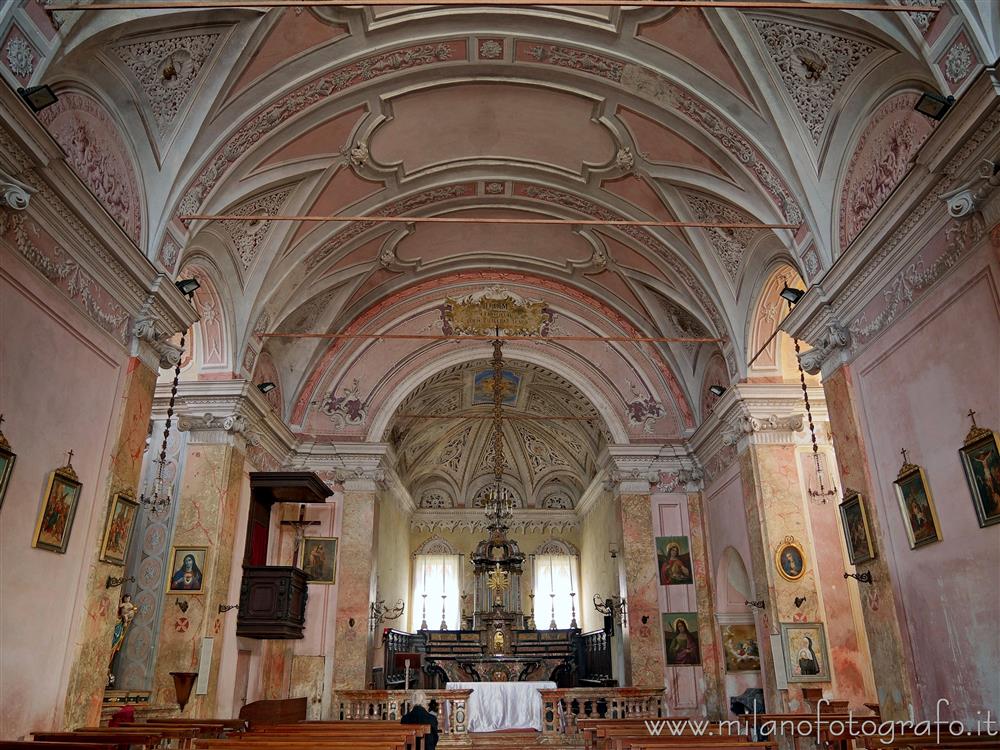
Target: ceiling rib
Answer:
pixel 454 337
pixel 485 220
pixel 735 4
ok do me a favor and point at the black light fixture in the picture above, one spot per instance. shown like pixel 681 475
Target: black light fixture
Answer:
pixel 716 390
pixel 38 97
pixel 791 294
pixel 266 387
pixel 934 105
pixel 188 286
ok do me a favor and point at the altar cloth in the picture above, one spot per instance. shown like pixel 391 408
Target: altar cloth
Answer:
pixel 503 705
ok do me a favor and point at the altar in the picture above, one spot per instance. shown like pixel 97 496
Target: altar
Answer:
pixel 494 706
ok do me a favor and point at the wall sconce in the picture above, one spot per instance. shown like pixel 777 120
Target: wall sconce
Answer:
pixel 613 549
pixel 613 606
pixel 759 604
pixel 188 286
pixel 223 608
pixel 113 582
pixel 933 105
pixel 182 605
pixel 38 97
pixel 865 577
pixel 381 613
pixel 799 601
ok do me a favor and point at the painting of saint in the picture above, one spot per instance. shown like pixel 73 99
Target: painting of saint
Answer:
pixel 681 633
pixel 919 516
pixel 56 518
pixel 187 566
pixel 981 460
pixel 804 645
pixel 856 532
pixel 790 560
pixel 118 530
pixel 739 643
pixel 673 557
pixel 318 558
pixel 482 392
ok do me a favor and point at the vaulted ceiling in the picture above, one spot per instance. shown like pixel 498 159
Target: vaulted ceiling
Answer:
pixel 578 113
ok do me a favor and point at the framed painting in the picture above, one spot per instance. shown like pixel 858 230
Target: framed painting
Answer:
pixel 118 528
pixel 917 506
pixel 188 567
pixel 318 558
pixel 673 557
pixel 857 533
pixel 55 521
pixel 981 461
pixel 7 458
pixel 790 559
pixel 740 648
pixel 804 647
pixel 680 630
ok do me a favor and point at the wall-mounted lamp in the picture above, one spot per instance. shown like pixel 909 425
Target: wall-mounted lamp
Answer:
pixel 865 577
pixel 791 294
pixel 223 608
pixel 113 582
pixel 266 387
pixel 381 613
pixel 799 601
pixel 182 605
pixel 613 606
pixel 933 105
pixel 716 390
pixel 38 97
pixel 613 549
pixel 759 604
pixel 187 286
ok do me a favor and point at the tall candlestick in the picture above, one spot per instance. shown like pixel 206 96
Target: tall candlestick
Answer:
pixel 552 586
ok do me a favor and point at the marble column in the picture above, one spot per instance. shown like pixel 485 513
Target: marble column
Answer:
pixel 206 516
pixel 355 583
pixel 894 681
pixel 645 663
pixel 89 673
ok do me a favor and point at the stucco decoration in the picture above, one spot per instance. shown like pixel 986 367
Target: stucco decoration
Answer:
pixel 682 323
pixel 958 62
pixel 435 498
pixel 435 545
pixel 814 65
pixel 556 547
pixel 923 20
pixel 891 138
pixel 97 152
pixel 166 70
pixel 348 407
pixel 19 55
pixel 267 372
pixel 730 245
pixel 249 233
pixel 211 323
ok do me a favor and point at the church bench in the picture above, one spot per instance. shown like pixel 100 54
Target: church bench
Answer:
pixel 126 739
pixel 181 736
pixel 36 745
pixel 278 711
pixel 686 743
pixel 931 742
pixel 343 743
pixel 597 732
pixel 235 725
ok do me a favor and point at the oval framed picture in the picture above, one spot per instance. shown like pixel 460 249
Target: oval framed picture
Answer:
pixel 790 559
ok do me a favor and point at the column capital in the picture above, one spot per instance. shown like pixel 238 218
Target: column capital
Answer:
pixel 766 412
pixel 360 467
pixel 14 194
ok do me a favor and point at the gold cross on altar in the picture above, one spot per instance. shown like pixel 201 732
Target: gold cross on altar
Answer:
pixel 498 581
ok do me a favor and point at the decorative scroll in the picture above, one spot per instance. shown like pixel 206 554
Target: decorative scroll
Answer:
pixel 482 313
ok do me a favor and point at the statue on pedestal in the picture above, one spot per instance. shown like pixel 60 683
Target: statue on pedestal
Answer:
pixel 126 613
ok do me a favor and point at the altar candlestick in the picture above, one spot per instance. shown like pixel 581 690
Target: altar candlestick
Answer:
pixel 552 586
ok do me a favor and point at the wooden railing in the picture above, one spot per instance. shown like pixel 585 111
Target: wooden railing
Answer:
pixel 390 705
pixel 594 659
pixel 561 708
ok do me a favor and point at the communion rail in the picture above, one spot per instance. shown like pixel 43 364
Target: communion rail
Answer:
pixel 390 705
pixel 562 708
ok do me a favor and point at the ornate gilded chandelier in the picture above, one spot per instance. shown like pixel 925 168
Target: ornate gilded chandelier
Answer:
pixel 499 502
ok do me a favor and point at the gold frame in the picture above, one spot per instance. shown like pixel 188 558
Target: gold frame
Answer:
pixel 67 476
pixel 8 469
pixel 174 549
pixel 852 496
pixel 789 542
pixel 976 437
pixel 336 554
pixel 906 472
pixel 127 499
pixel 786 642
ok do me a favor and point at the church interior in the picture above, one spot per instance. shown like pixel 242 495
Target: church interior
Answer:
pixel 499 374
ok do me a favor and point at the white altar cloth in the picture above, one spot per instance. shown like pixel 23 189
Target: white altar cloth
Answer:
pixel 503 705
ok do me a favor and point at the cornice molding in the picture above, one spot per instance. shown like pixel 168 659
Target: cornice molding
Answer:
pixel 474 520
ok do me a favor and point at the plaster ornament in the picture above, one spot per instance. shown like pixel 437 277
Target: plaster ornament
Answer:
pixel 14 194
pixel 922 20
pixel 836 338
pixel 730 245
pixel 145 331
pixel 347 408
pixel 20 57
pixel 958 62
pixel 359 154
pixel 624 159
pixel 490 49
pixel 813 65
pixel 247 234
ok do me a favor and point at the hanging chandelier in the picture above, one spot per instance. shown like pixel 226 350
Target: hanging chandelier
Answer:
pixel 499 500
pixel 159 501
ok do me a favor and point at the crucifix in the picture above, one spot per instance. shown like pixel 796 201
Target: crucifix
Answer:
pixel 69 461
pixel 299 524
pixel 905 459
pixel 971 415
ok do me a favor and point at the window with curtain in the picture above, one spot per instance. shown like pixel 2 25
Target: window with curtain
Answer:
pixel 435 575
pixel 555 574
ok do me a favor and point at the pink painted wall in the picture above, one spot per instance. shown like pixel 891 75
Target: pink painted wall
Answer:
pixel 60 382
pixel 916 383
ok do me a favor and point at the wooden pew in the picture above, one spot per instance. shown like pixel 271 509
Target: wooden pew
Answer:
pixel 232 725
pixel 181 737
pixel 281 711
pixel 337 734
pixel 147 740
pixel 35 745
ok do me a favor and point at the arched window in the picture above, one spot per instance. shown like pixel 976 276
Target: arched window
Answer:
pixel 555 580
pixel 438 577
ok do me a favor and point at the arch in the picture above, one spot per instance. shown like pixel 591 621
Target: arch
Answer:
pixel 435 545
pixel 556 547
pixel 776 361
pixel 212 330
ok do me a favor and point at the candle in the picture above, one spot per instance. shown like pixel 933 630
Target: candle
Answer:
pixel 572 586
pixel 552 586
pixel 424 584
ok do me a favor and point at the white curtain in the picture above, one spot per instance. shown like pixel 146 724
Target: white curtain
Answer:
pixel 558 575
pixel 435 575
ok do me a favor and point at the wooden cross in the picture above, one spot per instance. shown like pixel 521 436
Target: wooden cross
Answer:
pixel 971 415
pixel 299 525
pixel 905 459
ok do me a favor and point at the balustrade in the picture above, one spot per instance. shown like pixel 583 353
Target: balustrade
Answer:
pixel 391 705
pixel 562 708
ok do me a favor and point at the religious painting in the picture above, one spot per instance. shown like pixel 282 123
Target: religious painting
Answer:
pixel 739 644
pixel 981 461
pixel 680 630
pixel 917 506
pixel 187 570
pixel 804 648
pixel 790 559
pixel 7 458
pixel 482 387
pixel 673 556
pixel 318 558
pixel 118 528
pixel 858 535
pixel 56 518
